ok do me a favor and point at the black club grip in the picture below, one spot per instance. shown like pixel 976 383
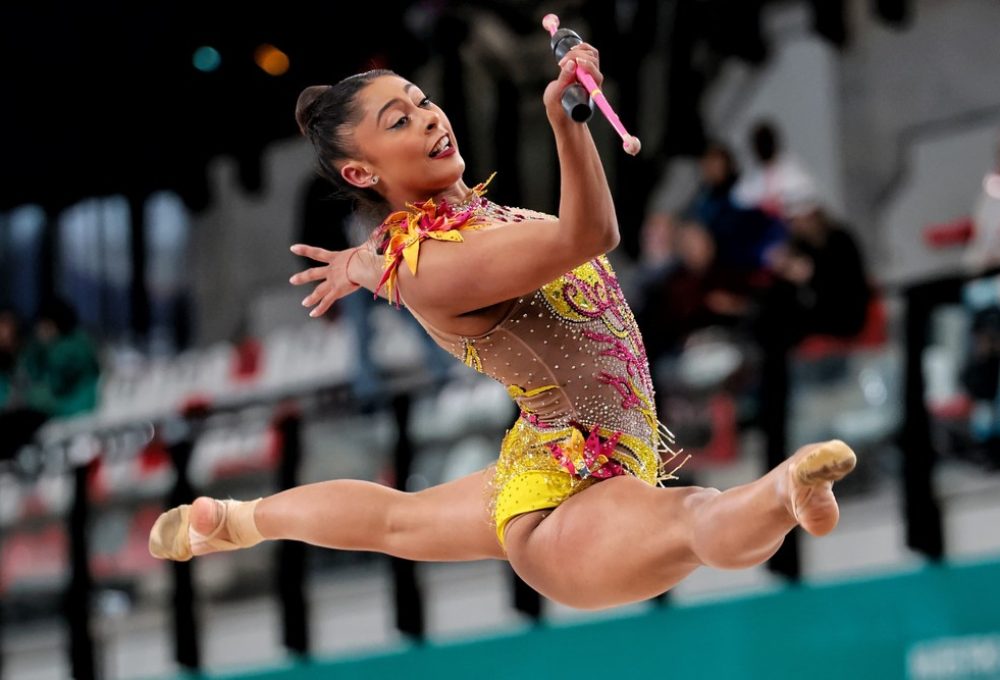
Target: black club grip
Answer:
pixel 576 102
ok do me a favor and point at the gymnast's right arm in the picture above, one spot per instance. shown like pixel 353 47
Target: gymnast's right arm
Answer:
pixel 585 204
pixel 496 265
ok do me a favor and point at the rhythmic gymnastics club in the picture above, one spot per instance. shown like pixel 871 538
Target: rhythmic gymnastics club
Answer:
pixel 575 99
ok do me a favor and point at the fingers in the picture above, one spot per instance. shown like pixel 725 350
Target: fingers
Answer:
pixel 324 305
pixel 323 297
pixel 312 252
pixel 314 274
pixel 319 292
pixel 587 47
pixel 332 279
pixel 587 58
pixel 567 72
pixel 586 52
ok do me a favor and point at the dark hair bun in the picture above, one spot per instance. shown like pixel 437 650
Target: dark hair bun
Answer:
pixel 306 105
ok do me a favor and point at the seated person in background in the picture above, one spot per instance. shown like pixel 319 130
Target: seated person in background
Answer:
pixel 821 286
pixel 688 295
pixel 777 177
pixel 60 364
pixel 742 235
pixel 55 374
pixel 657 255
pixel 706 270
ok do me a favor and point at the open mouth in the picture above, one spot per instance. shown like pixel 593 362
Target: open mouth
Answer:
pixel 443 145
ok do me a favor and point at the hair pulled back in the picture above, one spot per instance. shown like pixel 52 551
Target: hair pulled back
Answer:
pixel 326 114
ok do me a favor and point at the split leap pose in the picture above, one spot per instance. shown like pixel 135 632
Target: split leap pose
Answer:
pixel 575 501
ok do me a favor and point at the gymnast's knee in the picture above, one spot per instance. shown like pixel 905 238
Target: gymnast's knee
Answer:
pixel 403 520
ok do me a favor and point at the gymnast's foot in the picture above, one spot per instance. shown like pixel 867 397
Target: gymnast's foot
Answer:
pixel 206 526
pixel 807 484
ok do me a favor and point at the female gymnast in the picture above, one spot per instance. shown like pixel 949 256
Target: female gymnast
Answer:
pixel 575 500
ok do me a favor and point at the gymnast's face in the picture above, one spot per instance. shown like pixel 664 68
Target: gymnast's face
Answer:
pixel 405 139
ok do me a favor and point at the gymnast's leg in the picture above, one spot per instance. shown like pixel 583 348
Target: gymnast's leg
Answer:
pixel 619 541
pixel 623 540
pixel 448 522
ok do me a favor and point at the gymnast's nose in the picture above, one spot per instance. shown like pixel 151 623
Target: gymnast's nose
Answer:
pixel 433 121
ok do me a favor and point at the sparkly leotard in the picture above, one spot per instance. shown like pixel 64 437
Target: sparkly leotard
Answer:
pixel 571 356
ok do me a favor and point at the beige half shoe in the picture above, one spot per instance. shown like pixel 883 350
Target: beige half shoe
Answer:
pixel 172 537
pixel 825 464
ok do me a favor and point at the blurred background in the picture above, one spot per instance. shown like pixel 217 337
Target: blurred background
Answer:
pixel 810 241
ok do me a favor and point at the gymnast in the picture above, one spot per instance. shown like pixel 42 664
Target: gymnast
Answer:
pixel 577 501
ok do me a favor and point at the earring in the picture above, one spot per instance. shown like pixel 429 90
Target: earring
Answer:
pixel 375 179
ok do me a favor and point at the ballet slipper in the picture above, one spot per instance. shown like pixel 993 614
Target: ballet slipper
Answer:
pixel 810 483
pixel 173 538
pixel 168 539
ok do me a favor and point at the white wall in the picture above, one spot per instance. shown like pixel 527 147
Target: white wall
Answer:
pixel 239 246
pixel 943 180
pixel 797 89
pixel 940 68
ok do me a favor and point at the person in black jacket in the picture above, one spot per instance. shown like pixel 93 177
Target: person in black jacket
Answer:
pixel 821 286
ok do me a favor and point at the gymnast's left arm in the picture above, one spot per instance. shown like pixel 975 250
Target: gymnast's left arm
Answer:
pixel 343 272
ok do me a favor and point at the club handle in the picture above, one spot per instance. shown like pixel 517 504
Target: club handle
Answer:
pixel 577 103
pixel 563 41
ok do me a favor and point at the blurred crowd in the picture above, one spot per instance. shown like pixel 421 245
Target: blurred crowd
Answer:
pixel 754 262
pixel 46 371
pixel 754 257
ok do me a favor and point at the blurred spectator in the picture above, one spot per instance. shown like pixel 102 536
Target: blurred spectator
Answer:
pixel 717 177
pixel 983 251
pixel 658 233
pixel 656 253
pixel 10 337
pixel 980 374
pixel 778 175
pixel 679 298
pixel 821 285
pixel 708 269
pixel 60 363
pixel 742 235
pixel 55 374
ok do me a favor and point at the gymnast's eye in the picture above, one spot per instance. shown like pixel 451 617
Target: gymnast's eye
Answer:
pixel 400 123
pixel 425 102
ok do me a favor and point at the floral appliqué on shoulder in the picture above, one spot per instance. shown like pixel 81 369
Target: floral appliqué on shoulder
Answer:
pixel 402 232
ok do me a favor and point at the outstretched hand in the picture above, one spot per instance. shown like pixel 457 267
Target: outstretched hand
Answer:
pixel 334 282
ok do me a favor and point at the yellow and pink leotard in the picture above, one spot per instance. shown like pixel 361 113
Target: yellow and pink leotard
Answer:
pixel 571 357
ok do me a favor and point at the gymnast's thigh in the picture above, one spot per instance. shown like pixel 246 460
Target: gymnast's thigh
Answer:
pixel 447 523
pixel 621 540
